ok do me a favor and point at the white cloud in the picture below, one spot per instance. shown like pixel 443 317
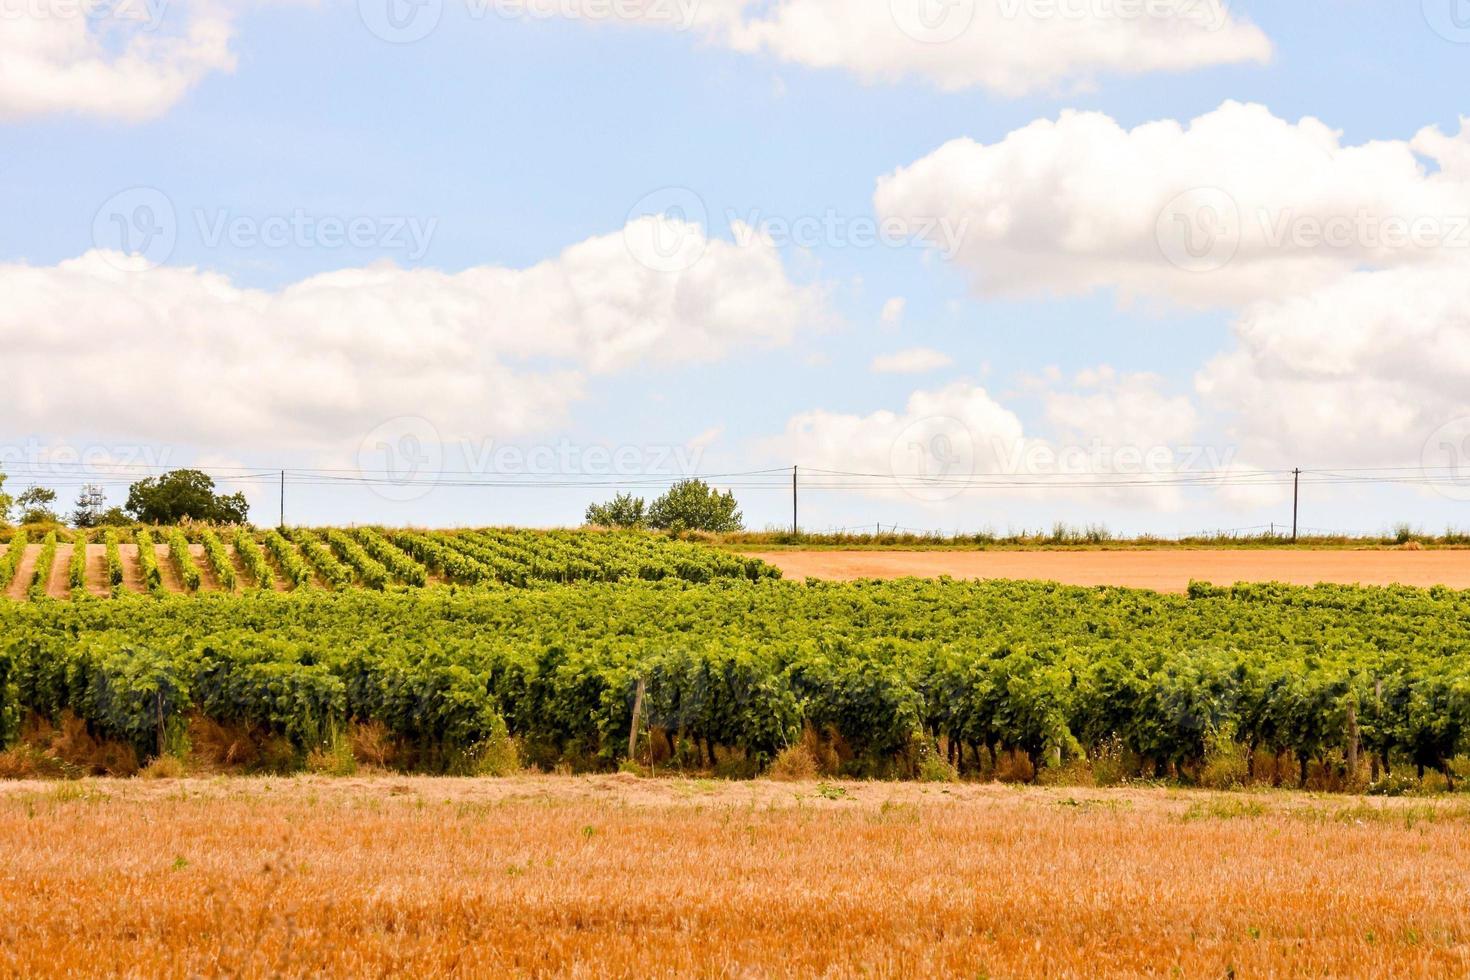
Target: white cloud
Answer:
pixel 915 360
pixel 1010 47
pixel 1268 206
pixel 129 63
pixel 188 356
pixel 893 312
pixel 1104 429
pixel 1360 371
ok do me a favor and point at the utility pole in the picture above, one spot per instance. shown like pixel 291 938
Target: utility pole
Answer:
pixel 283 500
pixel 794 524
pixel 1296 501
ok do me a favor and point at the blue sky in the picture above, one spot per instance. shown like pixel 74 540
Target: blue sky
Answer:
pixel 502 142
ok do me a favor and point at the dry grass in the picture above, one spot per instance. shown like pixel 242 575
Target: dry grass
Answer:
pixel 614 875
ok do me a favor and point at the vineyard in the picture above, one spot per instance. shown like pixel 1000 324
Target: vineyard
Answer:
pixel 113 562
pixel 911 678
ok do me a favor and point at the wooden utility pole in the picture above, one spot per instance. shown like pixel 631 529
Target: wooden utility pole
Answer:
pixel 283 500
pixel 1296 501
pixel 795 470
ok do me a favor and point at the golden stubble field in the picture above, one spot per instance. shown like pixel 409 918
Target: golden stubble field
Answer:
pixel 619 876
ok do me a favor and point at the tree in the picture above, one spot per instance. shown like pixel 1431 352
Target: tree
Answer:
pixel 694 506
pixel 625 511
pixel 184 495
pixel 91 504
pixel 35 506
pixel 114 517
pixel 6 501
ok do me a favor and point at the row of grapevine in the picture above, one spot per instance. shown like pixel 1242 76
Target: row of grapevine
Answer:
pixel 76 573
pixel 434 552
pixel 295 571
pixel 114 561
pixel 219 560
pixel 398 562
pixel 253 559
pixel 41 574
pixel 10 561
pixel 371 572
pixel 183 559
pixel 983 668
pixel 148 568
pixel 321 559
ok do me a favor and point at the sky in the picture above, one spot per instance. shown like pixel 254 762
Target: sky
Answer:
pixel 967 264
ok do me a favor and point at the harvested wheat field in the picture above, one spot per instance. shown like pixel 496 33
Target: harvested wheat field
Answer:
pixel 1160 571
pixel 615 875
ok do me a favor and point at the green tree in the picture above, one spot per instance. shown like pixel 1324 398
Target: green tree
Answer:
pixel 6 501
pixel 694 505
pixel 184 495
pixel 624 511
pixel 35 506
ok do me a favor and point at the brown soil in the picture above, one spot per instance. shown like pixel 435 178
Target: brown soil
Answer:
pixel 22 581
pixel 132 578
pixel 97 583
pixel 1162 571
pixel 59 584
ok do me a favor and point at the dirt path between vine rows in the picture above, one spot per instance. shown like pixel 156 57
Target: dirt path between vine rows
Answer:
pixel 1162 571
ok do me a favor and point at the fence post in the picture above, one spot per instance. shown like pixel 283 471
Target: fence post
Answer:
pixel 637 713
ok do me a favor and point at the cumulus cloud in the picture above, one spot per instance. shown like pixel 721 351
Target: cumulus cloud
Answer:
pixel 131 60
pixel 1234 207
pixel 1101 429
pixel 189 356
pixel 1362 370
pixel 915 360
pixel 893 312
pixel 1010 47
